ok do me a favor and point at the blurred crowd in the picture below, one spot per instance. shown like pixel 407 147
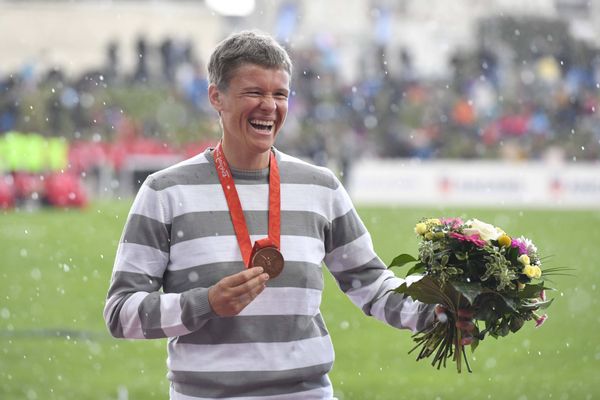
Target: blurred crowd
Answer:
pixel 486 107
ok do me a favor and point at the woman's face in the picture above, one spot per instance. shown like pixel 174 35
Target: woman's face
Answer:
pixel 252 108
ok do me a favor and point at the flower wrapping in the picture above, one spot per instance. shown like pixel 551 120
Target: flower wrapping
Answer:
pixel 475 266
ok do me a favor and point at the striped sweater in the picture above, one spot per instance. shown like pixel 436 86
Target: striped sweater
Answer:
pixel 179 240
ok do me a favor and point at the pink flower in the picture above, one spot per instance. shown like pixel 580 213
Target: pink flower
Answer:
pixel 453 222
pixel 475 239
pixel 539 321
pixel 520 245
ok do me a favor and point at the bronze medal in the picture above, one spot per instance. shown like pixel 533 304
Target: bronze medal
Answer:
pixel 270 259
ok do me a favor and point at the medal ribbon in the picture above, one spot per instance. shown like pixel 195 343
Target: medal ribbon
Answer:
pixel 235 207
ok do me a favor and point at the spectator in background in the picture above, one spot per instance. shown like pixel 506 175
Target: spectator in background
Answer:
pixel 9 109
pixel 141 74
pixel 111 70
pixel 167 56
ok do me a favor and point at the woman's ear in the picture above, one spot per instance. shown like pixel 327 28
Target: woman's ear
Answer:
pixel 214 96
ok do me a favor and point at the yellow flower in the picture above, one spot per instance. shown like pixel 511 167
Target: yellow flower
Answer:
pixel 429 236
pixel 439 235
pixel 420 228
pixel 524 259
pixel 531 272
pixel 504 240
pixel 433 221
pixel 537 272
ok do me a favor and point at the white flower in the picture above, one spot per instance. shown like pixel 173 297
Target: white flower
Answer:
pixel 485 231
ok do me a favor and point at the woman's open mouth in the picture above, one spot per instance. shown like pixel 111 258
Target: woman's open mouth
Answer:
pixel 262 125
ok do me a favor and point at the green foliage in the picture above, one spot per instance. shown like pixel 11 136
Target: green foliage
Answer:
pixel 426 290
pixel 402 260
pixel 498 267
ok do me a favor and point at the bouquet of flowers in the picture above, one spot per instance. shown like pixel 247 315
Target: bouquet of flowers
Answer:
pixel 477 266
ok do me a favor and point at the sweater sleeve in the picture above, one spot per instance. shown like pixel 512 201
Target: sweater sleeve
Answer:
pixel 135 307
pixel 361 274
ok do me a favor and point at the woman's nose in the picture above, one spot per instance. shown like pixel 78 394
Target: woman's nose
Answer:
pixel 268 103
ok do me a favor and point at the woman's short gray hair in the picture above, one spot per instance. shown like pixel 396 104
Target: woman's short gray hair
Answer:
pixel 246 47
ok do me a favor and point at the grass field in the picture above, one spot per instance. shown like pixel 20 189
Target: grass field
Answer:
pixel 55 266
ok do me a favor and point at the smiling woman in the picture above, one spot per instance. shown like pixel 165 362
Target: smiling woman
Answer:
pixel 249 84
pixel 241 325
pixel 252 108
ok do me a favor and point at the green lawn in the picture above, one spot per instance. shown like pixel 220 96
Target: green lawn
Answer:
pixel 55 266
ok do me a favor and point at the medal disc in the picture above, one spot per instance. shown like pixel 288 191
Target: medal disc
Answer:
pixel 270 259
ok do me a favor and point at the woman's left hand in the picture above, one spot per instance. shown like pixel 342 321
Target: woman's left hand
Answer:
pixel 464 322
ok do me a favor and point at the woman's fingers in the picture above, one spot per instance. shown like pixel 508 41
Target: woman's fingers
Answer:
pixel 440 313
pixel 241 280
pixel 232 294
pixel 465 313
pixel 466 325
pixel 464 322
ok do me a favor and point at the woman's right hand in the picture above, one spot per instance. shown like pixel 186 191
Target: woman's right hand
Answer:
pixel 232 294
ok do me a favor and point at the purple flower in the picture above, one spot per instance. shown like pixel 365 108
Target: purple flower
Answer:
pixel 475 239
pixel 522 246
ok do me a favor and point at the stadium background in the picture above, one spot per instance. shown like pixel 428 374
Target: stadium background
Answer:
pixel 476 109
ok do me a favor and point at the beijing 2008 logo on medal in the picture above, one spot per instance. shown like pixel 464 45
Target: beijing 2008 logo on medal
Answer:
pixel 270 259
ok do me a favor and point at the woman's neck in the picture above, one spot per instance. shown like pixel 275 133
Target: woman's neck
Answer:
pixel 243 161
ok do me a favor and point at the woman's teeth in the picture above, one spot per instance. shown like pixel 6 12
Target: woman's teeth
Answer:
pixel 262 125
